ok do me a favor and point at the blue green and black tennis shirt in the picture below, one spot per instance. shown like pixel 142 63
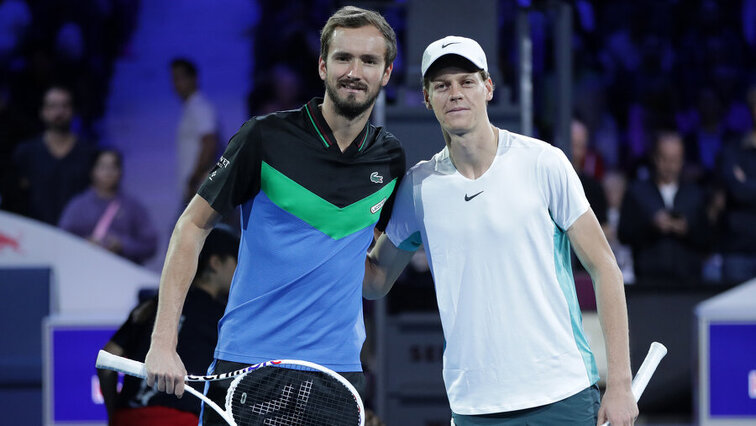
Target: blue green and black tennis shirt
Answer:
pixel 308 211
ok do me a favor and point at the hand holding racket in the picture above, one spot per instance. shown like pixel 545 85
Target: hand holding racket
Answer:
pixel 280 392
pixel 656 352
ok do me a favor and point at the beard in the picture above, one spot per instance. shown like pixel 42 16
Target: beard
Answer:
pixel 59 125
pixel 349 107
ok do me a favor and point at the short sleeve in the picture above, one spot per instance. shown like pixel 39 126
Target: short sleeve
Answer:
pixel 561 187
pixel 402 229
pixel 236 177
pixel 205 119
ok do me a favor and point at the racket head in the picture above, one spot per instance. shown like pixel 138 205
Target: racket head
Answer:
pixel 293 392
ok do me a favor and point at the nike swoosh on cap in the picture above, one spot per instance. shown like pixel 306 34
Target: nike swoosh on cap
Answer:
pixel 443 46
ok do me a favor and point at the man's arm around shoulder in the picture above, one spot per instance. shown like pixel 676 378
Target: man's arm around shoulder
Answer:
pixel 383 265
pixel 618 405
pixel 164 367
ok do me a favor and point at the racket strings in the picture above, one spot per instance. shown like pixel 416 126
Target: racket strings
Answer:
pixel 284 397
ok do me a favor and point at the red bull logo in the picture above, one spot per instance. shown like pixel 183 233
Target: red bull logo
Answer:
pixel 6 241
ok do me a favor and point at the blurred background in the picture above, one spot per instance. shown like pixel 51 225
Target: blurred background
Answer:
pixel 653 100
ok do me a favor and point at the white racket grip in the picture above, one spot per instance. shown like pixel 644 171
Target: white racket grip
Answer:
pixel 656 352
pixel 647 368
pixel 109 361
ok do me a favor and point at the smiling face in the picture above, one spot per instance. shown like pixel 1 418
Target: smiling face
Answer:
pixel 458 96
pixel 355 69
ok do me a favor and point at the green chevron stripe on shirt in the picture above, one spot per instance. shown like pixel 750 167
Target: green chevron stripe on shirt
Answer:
pixel 329 219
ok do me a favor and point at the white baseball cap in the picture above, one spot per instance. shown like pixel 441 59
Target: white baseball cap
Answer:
pixel 454 45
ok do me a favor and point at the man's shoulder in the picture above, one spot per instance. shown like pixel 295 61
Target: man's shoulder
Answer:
pixel 642 187
pixel 516 140
pixel 32 144
pixel 198 100
pixel 278 119
pixel 440 163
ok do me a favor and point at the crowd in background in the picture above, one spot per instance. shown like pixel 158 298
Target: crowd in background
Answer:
pixel 663 136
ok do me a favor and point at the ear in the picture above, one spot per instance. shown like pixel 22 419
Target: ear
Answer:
pixel 214 263
pixel 426 100
pixel 489 89
pixel 387 74
pixel 322 68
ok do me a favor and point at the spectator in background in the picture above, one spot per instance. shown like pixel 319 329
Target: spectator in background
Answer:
pixel 589 168
pixel 139 404
pixel 614 188
pixel 738 175
pixel 54 166
pixel 663 219
pixel 109 218
pixel 279 89
pixel 197 137
pixel 707 140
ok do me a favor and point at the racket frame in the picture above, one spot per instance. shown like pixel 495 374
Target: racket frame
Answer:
pixel 106 360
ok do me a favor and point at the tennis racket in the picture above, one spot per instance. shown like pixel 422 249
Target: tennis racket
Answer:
pixel 280 392
pixel 656 352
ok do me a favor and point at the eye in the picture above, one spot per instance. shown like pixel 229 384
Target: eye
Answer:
pixel 439 86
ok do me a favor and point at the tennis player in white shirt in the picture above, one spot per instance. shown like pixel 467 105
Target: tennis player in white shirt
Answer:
pixel 497 213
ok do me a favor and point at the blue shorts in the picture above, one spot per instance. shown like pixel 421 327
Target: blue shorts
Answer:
pixel 579 409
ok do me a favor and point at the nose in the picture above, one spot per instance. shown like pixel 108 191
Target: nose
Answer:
pixel 455 91
pixel 355 69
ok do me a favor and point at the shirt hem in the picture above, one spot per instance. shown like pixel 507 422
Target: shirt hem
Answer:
pixel 469 411
pixel 250 359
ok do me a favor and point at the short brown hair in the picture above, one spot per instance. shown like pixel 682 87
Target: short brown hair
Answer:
pixel 355 17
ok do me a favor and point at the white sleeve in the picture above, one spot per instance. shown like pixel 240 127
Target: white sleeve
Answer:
pixel 205 119
pixel 402 229
pixel 561 187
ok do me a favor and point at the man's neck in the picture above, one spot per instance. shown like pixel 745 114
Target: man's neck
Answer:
pixel 660 182
pixel 473 152
pixel 188 96
pixel 105 193
pixel 344 129
pixel 59 143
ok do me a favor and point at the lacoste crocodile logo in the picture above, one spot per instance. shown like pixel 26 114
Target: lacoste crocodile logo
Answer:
pixel 376 178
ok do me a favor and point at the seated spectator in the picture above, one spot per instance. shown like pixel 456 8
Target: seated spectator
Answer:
pixel 106 216
pixel 139 404
pixel 738 175
pixel 663 220
pixel 54 166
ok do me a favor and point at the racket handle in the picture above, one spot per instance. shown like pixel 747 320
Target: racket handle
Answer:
pixel 646 370
pixel 109 361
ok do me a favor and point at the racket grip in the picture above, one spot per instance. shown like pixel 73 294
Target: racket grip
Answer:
pixel 109 361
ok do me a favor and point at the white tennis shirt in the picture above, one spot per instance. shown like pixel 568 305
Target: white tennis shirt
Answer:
pixel 198 118
pixel 500 259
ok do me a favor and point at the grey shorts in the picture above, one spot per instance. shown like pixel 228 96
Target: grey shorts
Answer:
pixel 579 409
